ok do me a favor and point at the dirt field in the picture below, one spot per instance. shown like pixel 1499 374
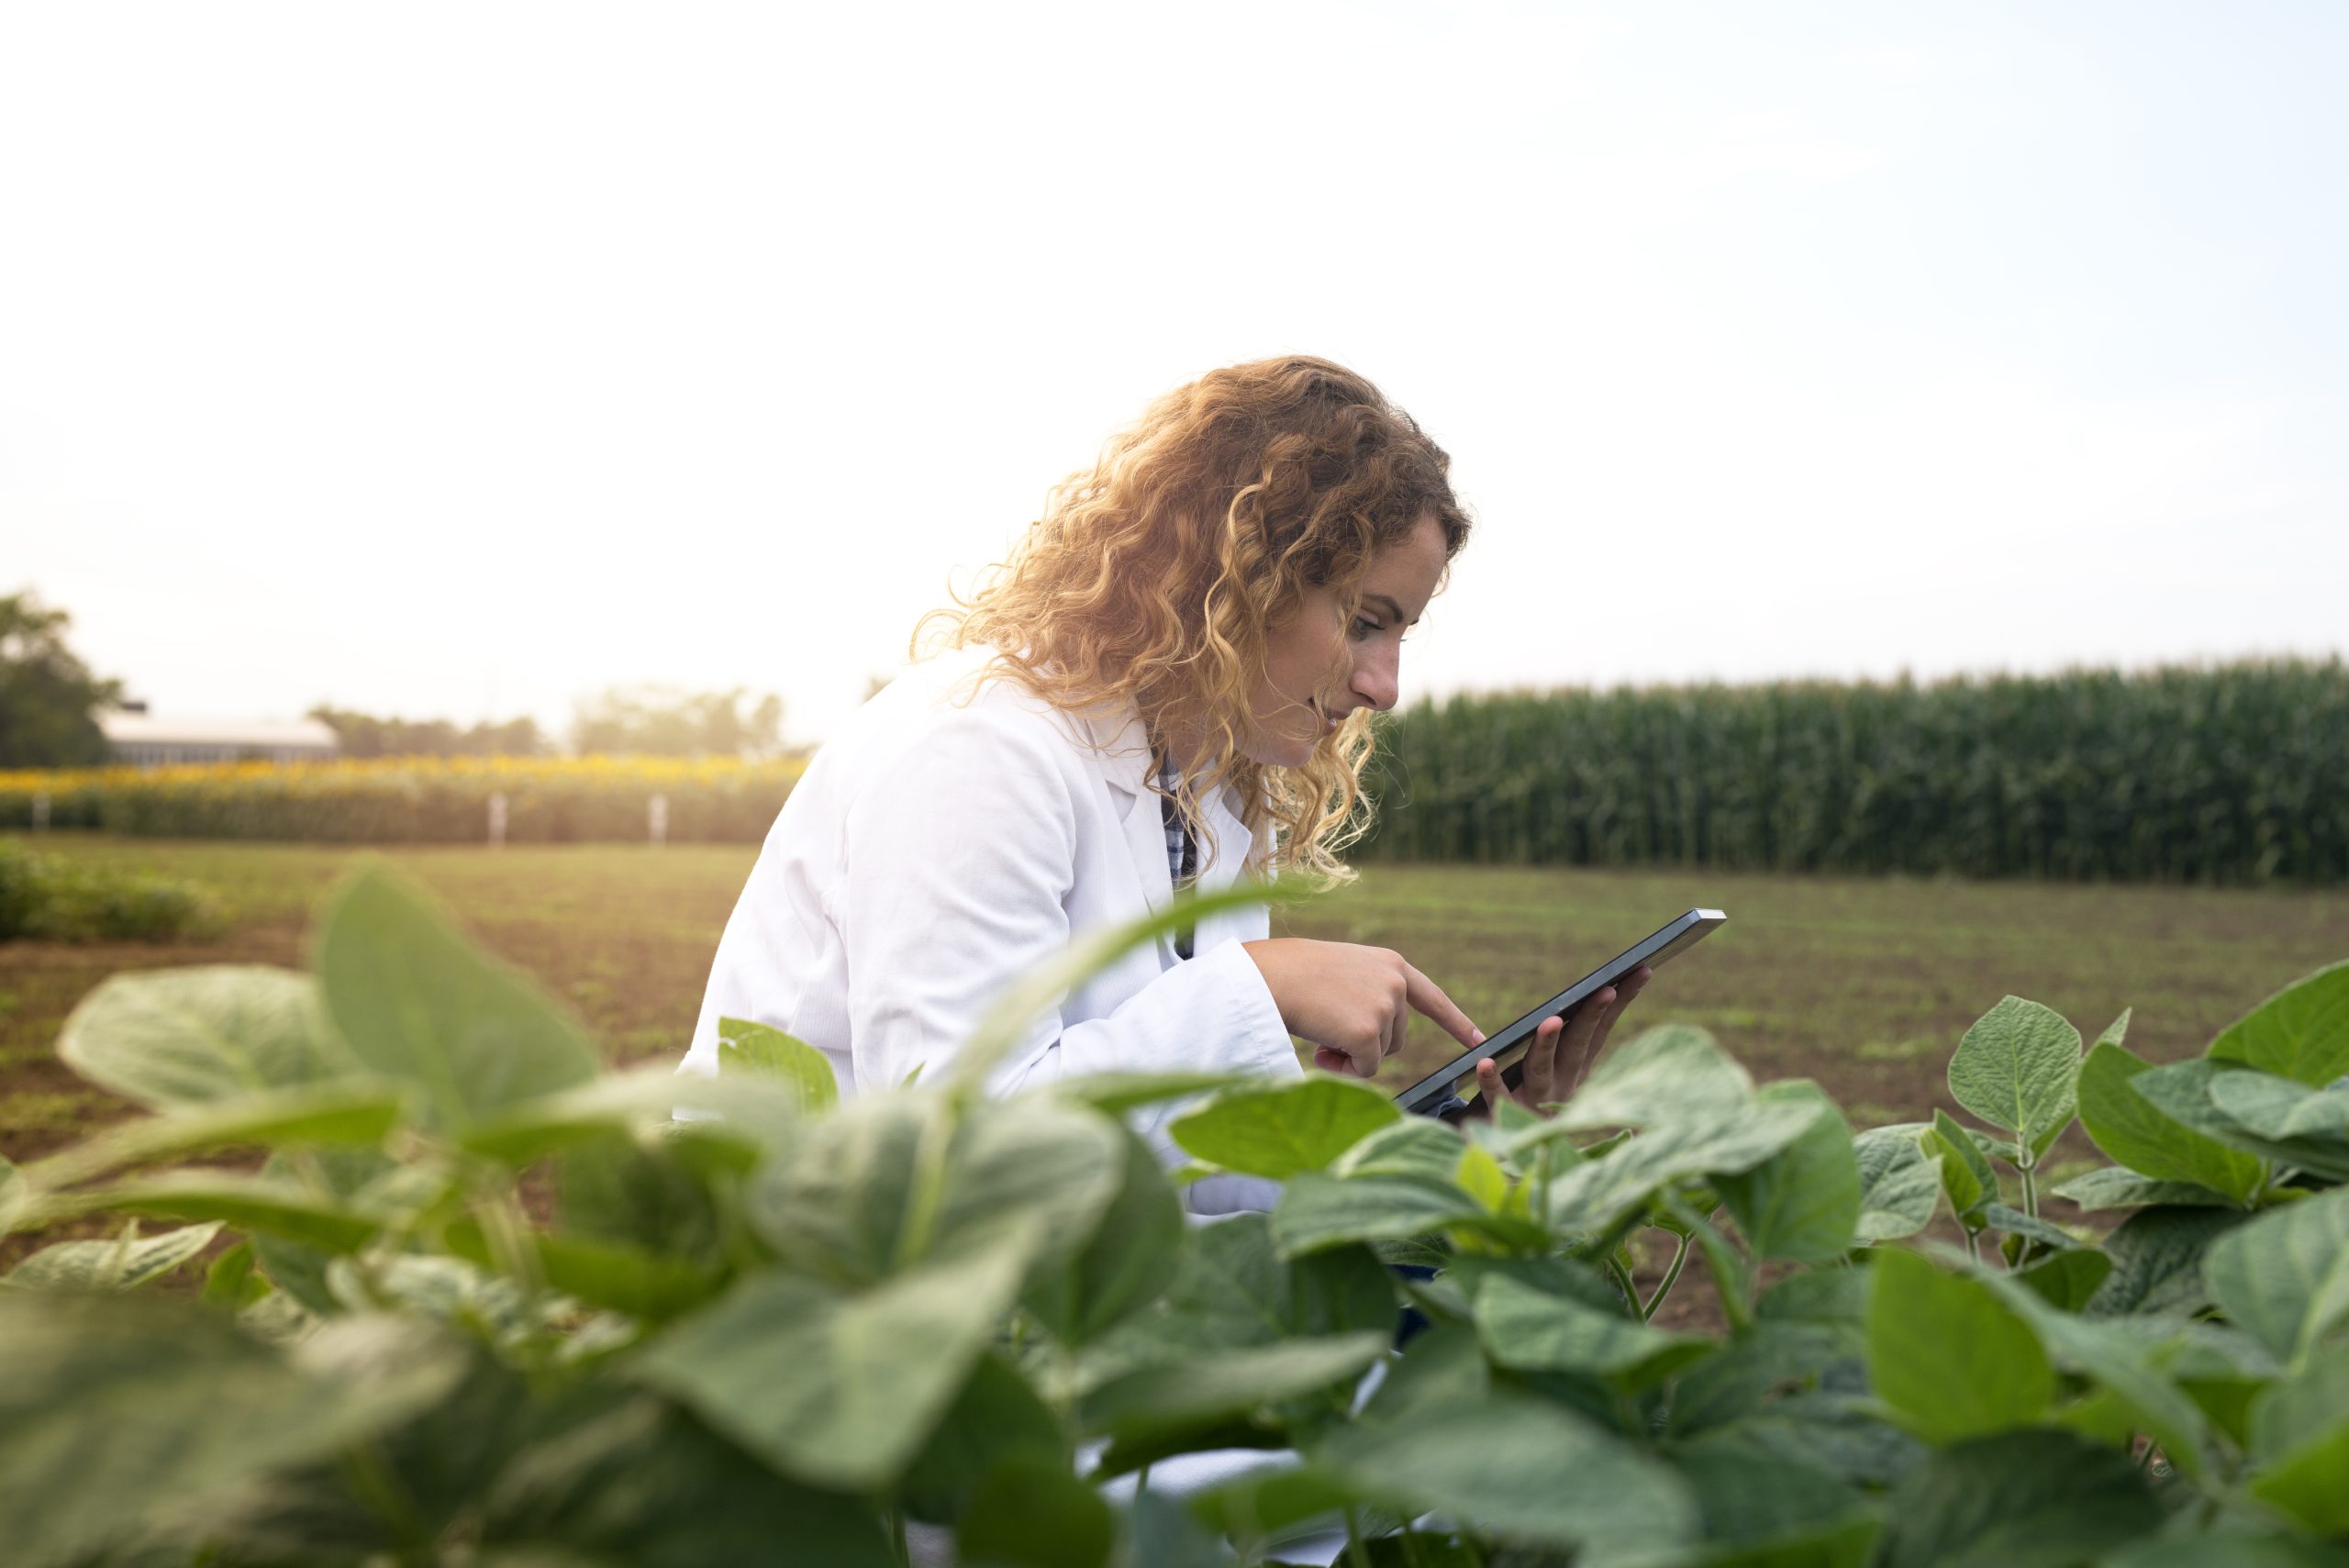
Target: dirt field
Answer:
pixel 1864 985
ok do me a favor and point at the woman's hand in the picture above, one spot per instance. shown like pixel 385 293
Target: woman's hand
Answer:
pixel 1354 1003
pixel 1563 1050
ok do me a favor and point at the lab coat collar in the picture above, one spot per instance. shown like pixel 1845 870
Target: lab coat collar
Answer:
pixel 1122 745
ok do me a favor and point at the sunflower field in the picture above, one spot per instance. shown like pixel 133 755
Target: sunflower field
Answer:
pixel 415 800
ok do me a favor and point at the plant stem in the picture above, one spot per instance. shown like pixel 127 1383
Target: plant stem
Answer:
pixel 1671 1278
pixel 1355 1553
pixel 2030 1191
pixel 1973 1245
pixel 1623 1278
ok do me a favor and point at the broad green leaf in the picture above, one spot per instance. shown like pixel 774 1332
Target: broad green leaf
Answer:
pixel 1802 1203
pixel 419 1004
pixel 1663 1074
pixel 891 1180
pixel 634 1190
pixel 2029 1499
pixel 2300 1435
pixel 1952 1359
pixel 2157 1262
pixel 178 1036
pixel 124 1263
pixel 360 1112
pixel 1844 1434
pixel 1281 1130
pixel 756 1112
pixel 1233 1290
pixel 746 1047
pixel 2284 1277
pixel 1131 1257
pixel 2116 1031
pixel 1202 1388
pixel 119 1410
pixel 2014 1222
pixel 2300 1033
pixel 1754 1366
pixel 2183 1092
pixel 2134 1130
pixel 1417 1146
pixel 247 1203
pixel 1262 1504
pixel 2280 1108
pixel 1317 1211
pixel 831 1387
pixel 1899 1184
pixel 1029 1514
pixel 1527 1472
pixel 2232 1544
pixel 1966 1171
pixel 2019 1068
pixel 630 1478
pixel 1597 1195
pixel 2067 1280
pixel 609 1274
pixel 2121 1357
pixel 2116 1186
pixel 2305 1483
pixel 996 1415
pixel 1762 1507
pixel 1480 1175
pixel 1536 1330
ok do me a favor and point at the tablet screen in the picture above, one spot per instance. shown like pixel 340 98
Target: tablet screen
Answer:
pixel 1509 1045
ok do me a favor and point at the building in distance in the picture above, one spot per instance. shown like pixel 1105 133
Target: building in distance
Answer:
pixel 141 739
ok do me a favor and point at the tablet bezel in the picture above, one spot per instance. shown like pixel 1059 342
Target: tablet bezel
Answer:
pixel 1652 951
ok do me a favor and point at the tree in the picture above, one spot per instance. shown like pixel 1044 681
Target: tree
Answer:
pixel 663 721
pixel 49 700
pixel 365 734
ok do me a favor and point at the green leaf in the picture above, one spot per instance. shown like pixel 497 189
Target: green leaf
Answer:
pixel 2067 1280
pixel 1899 1184
pixel 359 1113
pixel 1753 1366
pixel 1118 1093
pixel 2031 1499
pixel 2019 1068
pixel 1203 1388
pixel 621 1476
pixel 996 1415
pixel 1965 1171
pixel 2134 1130
pixel 419 1004
pixel 1762 1507
pixel 1417 1146
pixel 1281 1130
pixel 2300 1033
pixel 754 1113
pixel 2280 1108
pixel 2182 1091
pixel 1131 1258
pixel 248 1203
pixel 119 1411
pixel 609 1274
pixel 2233 1544
pixel 180 1037
pixel 2157 1262
pixel 2116 1031
pixel 1952 1359
pixel 1664 1074
pixel 124 1263
pixel 834 1388
pixel 1536 1330
pixel 2300 1435
pixel 1317 1212
pixel 891 1180
pixel 1032 1515
pixel 2284 1277
pixel 1597 1195
pixel 1803 1203
pixel 1527 1472
pixel 2116 1186
pixel 746 1047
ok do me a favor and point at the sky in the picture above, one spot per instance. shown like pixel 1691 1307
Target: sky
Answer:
pixel 467 359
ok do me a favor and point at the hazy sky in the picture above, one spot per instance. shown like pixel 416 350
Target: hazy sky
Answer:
pixel 464 359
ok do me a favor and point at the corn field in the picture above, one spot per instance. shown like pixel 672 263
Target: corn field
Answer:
pixel 414 800
pixel 2235 773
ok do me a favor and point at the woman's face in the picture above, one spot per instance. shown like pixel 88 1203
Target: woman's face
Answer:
pixel 1314 647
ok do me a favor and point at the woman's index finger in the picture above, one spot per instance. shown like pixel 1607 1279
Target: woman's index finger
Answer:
pixel 1426 996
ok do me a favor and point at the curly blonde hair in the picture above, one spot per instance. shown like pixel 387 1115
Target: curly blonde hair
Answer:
pixel 1154 576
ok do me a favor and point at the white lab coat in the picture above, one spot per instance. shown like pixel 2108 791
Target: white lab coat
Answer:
pixel 933 853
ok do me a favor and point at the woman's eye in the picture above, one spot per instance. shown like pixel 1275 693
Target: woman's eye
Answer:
pixel 1363 627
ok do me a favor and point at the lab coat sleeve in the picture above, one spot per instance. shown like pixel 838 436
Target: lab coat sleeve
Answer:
pixel 958 862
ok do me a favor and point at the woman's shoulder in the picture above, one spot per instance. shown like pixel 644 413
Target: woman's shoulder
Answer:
pixel 969 692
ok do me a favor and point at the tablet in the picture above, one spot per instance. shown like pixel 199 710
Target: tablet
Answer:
pixel 1508 1046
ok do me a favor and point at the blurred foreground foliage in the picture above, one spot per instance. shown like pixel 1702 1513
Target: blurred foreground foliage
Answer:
pixel 769 1325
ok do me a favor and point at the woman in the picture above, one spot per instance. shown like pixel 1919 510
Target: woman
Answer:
pixel 1169 683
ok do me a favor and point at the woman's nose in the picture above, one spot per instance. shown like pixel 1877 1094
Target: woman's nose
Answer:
pixel 1376 680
